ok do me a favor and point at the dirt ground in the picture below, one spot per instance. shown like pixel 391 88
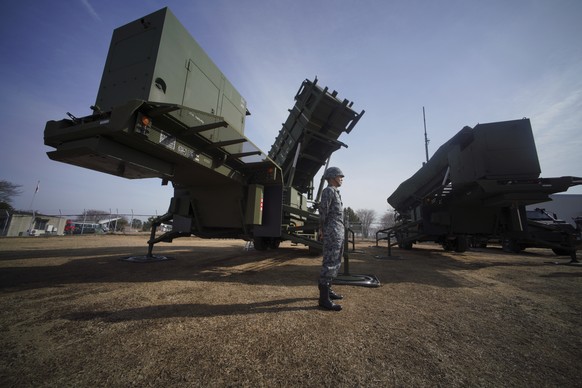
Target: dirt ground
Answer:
pixel 74 314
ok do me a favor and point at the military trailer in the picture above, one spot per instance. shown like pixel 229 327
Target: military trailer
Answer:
pixel 164 110
pixel 475 188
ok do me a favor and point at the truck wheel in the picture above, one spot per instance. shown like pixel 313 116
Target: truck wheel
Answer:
pixel 260 243
pixel 561 252
pixel 274 243
pixel 511 246
pixel 406 245
pixel 448 245
pixel 461 244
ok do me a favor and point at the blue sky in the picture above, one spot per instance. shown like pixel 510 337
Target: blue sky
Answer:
pixel 466 62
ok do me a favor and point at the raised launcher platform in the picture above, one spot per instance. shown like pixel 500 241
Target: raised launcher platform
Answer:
pixel 303 146
pixel 310 134
pixel 224 186
pixel 475 188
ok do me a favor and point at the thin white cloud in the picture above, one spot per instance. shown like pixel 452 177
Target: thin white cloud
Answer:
pixel 91 10
pixel 565 110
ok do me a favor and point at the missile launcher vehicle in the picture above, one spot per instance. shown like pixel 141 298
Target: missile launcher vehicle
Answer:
pixel 164 110
pixel 475 188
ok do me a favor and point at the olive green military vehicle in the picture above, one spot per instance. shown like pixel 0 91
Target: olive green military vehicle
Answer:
pixel 164 110
pixel 475 188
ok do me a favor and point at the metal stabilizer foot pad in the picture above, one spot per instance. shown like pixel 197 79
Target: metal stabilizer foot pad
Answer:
pixel 146 258
pixel 357 280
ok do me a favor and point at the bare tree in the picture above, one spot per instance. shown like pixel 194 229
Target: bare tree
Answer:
pixel 93 215
pixel 7 191
pixel 351 216
pixel 366 217
pixel 136 223
pixel 387 219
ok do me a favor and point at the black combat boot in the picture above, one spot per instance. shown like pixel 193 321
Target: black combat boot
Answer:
pixel 324 300
pixel 333 295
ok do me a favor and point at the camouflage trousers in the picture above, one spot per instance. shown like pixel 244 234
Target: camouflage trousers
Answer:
pixel 333 250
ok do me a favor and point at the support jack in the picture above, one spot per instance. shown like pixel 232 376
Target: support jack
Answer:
pixel 357 280
pixel 150 257
pixel 146 258
pixel 346 278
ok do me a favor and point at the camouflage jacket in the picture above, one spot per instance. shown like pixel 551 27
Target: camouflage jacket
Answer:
pixel 331 211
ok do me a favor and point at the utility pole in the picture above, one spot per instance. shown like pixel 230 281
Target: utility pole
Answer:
pixel 426 141
pixel 32 223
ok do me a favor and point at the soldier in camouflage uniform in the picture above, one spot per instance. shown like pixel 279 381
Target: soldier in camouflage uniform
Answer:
pixel 331 215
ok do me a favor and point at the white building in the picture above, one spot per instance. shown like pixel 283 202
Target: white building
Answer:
pixel 29 224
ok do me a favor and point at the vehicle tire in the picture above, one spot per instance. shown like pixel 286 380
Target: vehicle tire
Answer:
pixel 461 244
pixel 561 251
pixel 260 243
pixel 274 243
pixel 477 242
pixel 448 245
pixel 512 246
pixel 405 245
